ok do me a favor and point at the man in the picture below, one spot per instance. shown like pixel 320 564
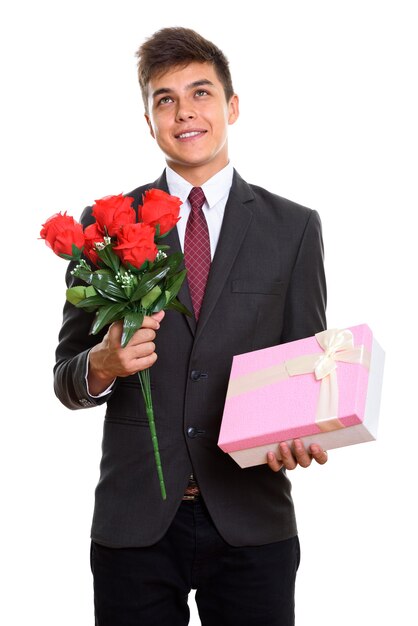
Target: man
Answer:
pixel 229 533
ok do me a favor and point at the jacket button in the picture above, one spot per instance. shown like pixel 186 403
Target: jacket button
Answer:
pixel 195 375
pixel 192 432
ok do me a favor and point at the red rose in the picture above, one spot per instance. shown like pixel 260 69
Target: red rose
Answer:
pixel 92 234
pixel 61 232
pixel 160 208
pixel 113 212
pixel 136 244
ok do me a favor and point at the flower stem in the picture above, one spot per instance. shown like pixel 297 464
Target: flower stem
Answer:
pixel 145 380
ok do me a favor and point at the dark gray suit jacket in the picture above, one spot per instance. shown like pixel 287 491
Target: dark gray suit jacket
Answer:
pixel 266 286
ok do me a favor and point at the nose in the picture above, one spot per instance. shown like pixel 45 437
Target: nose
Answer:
pixel 185 111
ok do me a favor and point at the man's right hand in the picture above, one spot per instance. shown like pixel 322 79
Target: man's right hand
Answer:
pixel 108 360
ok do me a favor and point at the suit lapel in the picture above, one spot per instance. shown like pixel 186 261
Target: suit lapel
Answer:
pixel 236 221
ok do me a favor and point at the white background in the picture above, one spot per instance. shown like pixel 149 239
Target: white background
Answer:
pixel 329 119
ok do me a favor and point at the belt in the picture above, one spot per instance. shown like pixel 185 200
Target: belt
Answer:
pixel 192 490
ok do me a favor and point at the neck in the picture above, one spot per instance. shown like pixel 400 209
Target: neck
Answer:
pixel 197 175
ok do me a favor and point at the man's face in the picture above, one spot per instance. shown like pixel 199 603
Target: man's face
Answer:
pixel 189 118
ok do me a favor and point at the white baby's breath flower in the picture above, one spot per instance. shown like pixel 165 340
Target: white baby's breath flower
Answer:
pixel 100 245
pixel 160 255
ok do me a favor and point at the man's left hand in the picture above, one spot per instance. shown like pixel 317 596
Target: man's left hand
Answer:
pixel 296 455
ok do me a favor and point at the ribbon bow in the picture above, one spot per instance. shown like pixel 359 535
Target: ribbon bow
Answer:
pixel 338 345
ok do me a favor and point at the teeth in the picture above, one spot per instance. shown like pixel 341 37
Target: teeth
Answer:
pixel 191 134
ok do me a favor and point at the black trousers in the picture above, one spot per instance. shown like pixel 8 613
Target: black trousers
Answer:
pixel 249 586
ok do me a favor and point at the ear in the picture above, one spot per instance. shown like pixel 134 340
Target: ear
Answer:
pixel 151 130
pixel 233 109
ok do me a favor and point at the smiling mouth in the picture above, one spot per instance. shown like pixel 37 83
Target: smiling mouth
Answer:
pixel 190 134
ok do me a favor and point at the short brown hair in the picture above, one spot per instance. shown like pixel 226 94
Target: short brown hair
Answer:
pixel 177 47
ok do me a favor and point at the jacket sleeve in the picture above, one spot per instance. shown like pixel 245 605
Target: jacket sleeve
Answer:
pixel 306 295
pixel 74 344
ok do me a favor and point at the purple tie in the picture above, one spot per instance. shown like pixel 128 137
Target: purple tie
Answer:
pixel 197 249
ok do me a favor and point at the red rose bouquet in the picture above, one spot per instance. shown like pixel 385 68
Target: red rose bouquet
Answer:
pixel 134 275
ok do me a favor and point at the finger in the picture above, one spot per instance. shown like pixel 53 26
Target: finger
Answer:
pixel 303 458
pixel 273 462
pixel 320 455
pixel 144 358
pixel 158 316
pixel 146 333
pixel 145 362
pixel 288 459
pixel 141 336
pixel 153 321
pixel 114 333
pixel 143 349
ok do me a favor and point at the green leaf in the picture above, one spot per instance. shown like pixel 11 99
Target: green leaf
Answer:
pixel 67 257
pixel 90 292
pixel 174 284
pixel 105 284
pixel 164 234
pixel 150 297
pixel 75 253
pixel 148 282
pixel 76 294
pixel 176 305
pixel 83 273
pixel 157 265
pixel 173 261
pixel 132 321
pixel 92 303
pixel 138 270
pixel 110 258
pixel 159 304
pixel 106 315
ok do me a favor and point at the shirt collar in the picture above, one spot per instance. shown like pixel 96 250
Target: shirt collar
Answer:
pixel 214 189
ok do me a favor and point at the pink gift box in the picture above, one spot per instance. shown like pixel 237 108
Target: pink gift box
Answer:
pixel 324 389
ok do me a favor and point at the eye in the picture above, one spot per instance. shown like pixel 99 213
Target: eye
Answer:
pixel 201 92
pixel 165 100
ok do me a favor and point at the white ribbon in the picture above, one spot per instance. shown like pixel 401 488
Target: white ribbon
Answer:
pixel 338 345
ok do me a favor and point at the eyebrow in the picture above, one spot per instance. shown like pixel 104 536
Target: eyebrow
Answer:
pixel 197 83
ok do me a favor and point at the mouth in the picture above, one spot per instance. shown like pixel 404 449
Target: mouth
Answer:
pixel 190 134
